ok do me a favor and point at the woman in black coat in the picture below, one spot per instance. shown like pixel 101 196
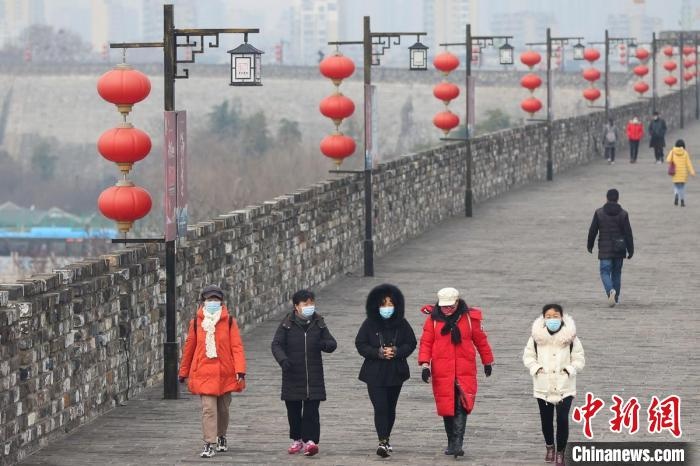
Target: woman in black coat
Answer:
pixel 297 347
pixel 385 340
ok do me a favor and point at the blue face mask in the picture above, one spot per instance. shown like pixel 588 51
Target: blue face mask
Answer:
pixel 212 306
pixel 386 312
pixel 553 324
pixel 308 311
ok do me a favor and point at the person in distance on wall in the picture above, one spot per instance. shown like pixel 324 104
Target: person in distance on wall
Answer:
pixel 611 224
pixel 297 345
pixel 635 131
pixel 213 362
pixel 657 136
pixel 554 355
pixel 610 141
pixel 679 166
pixel 452 334
pixel 385 340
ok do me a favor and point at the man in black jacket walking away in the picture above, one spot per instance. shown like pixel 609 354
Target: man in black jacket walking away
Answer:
pixel 611 224
pixel 657 136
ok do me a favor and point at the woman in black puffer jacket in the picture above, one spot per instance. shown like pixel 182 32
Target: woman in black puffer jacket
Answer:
pixel 385 340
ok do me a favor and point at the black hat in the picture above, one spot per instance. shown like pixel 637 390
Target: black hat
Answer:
pixel 212 291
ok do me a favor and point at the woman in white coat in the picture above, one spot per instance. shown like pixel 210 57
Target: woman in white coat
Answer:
pixel 554 355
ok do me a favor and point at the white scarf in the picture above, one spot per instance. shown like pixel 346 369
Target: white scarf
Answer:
pixel 209 326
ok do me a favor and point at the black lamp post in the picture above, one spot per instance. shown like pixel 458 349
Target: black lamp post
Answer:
pixel 505 57
pixel 578 55
pixel 631 45
pixel 194 38
pixel 374 44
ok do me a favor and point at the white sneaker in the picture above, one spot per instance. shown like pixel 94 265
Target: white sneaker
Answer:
pixel 611 298
pixel 208 451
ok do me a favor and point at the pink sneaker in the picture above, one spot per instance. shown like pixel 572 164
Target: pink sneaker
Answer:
pixel 310 449
pixel 295 447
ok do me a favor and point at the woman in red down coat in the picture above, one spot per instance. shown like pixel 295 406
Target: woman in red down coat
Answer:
pixel 448 356
pixel 635 131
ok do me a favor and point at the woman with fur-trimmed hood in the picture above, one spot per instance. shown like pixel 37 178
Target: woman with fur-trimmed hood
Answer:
pixel 554 355
pixel 385 340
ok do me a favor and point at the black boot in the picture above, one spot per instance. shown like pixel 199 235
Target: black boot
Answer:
pixel 682 202
pixel 675 200
pixel 450 431
pixel 460 425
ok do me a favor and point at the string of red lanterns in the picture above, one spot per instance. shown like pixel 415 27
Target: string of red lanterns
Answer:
pixel 124 145
pixel 591 74
pixel 531 82
pixel 641 70
pixel 446 91
pixel 337 107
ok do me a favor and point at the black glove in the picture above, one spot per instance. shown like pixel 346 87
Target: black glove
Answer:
pixel 590 250
pixel 487 370
pixel 286 365
pixel 629 256
pixel 425 374
pixel 240 375
pixel 181 379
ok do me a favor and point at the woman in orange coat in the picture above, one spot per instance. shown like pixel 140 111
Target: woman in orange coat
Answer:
pixel 214 362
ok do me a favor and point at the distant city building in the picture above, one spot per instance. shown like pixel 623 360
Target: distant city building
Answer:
pixel 308 25
pixel 152 17
pixel 17 15
pixel 445 20
pixel 524 26
pixel 639 26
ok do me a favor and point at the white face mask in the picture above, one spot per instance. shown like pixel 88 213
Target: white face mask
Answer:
pixel 212 307
pixel 308 311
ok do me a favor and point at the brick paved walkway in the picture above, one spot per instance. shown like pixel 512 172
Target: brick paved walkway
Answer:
pixel 518 252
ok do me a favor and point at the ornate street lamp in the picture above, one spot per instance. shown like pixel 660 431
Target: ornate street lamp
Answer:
pixel 578 51
pixel 631 49
pixel 418 54
pixel 245 65
pixel 505 54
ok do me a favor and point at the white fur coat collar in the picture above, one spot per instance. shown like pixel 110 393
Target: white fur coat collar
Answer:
pixel 563 337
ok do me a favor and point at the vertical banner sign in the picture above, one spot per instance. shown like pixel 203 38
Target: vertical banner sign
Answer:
pixel 471 102
pixel 375 123
pixel 368 127
pixel 174 153
pixel 170 158
pixel 551 95
pixel 181 206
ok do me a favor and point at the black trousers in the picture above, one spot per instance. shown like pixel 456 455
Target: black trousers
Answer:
pixel 304 421
pixel 634 150
pixel 547 417
pixel 384 400
pixel 610 153
pixel 659 152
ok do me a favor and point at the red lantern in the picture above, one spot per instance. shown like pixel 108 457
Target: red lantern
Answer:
pixel 124 146
pixel 338 146
pixel 336 67
pixel 591 94
pixel 688 75
pixel 531 105
pixel 337 107
pixel 668 51
pixel 689 62
pixel 641 87
pixel 670 66
pixel 124 86
pixel 591 54
pixel 531 82
pixel 642 54
pixel 591 74
pixel 446 121
pixel 124 203
pixel 687 50
pixel 446 92
pixel 670 81
pixel 641 70
pixel 530 58
pixel 445 62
